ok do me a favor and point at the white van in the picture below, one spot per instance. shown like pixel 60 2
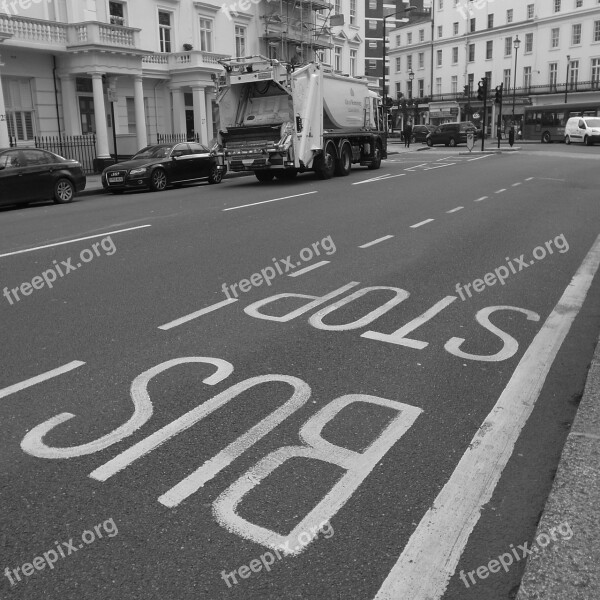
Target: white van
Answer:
pixel 583 129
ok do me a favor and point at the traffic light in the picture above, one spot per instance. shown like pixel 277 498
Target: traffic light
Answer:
pixel 467 91
pixel 498 97
pixel 482 89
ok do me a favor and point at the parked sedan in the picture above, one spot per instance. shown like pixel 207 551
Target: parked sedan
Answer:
pixel 157 167
pixel 420 132
pixel 30 174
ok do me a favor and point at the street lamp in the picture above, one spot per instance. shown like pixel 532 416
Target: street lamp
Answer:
pixel 411 76
pixel 516 44
pixel 567 80
pixel 384 51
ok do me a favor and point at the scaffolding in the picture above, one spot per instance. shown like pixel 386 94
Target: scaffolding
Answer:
pixel 294 34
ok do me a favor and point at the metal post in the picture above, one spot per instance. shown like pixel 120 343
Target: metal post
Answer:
pixel 567 80
pixel 384 94
pixel 485 93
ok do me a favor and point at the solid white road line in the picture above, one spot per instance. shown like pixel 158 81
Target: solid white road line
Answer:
pixel 377 241
pixel 421 223
pixel 479 157
pixel 434 549
pixel 267 201
pixel 380 178
pixel 481 199
pixel 416 167
pixel 17 387
pixel 439 166
pixel 197 314
pixel 454 210
pixel 309 268
pixel 89 237
pixel 500 191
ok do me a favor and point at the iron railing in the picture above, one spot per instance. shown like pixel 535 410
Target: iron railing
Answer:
pixel 174 138
pixel 79 147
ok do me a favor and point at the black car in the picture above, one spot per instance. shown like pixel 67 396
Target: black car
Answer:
pixel 451 134
pixel 161 165
pixel 420 132
pixel 30 174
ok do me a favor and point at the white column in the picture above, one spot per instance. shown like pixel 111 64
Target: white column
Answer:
pixel 100 116
pixel 199 96
pixel 178 111
pixel 4 141
pixel 140 112
pixel 209 115
pixel 69 105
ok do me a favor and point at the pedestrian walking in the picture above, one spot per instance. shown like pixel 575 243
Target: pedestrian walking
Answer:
pixel 407 135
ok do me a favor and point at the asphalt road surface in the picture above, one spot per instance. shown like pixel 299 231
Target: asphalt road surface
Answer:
pixel 377 421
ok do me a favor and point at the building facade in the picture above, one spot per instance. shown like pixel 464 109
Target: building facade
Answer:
pixel 66 65
pixel 558 51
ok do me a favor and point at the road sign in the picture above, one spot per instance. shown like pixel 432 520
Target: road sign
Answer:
pixel 476 115
pixel 112 95
pixel 470 140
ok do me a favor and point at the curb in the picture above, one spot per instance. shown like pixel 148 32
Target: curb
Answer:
pixel 568 569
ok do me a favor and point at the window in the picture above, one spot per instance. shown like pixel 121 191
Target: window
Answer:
pixel 409 62
pixel 576 34
pixel 489 50
pixel 131 122
pixel 597 31
pixel 556 6
pixel 372 24
pixel 578 3
pixel 553 76
pixel 373 4
pixel 164 30
pixel 530 11
pixel 506 80
pixel 454 84
pixel 421 35
pixel 528 42
pixel 421 60
pixel 353 57
pixel 491 21
pixel 470 82
pixel 472 24
pixel 398 89
pixel 409 38
pixel 455 28
pixel 352 12
pixel 595 73
pixel 87 115
pixel 440 31
pixel 439 58
pixel 398 40
pixel 455 55
pixel 573 74
pixel 554 37
pixel 509 15
pixel 508 44
pixel 527 78
pixel 337 58
pixel 19 109
pixel 12 159
pixel 438 86
pixel 440 4
pixel 240 40
pixel 116 11
pixel 206 33
pixel 421 87
pixel 398 64
pixel 471 52
pixel 337 7
pixel 488 76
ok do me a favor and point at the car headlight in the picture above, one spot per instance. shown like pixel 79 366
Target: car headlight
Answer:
pixel 140 171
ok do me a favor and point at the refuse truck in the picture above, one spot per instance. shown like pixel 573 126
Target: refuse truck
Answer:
pixel 277 120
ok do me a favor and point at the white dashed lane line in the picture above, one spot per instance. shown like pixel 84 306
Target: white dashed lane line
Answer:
pixel 516 184
pixel 421 223
pixel 197 314
pixel 377 241
pixel 500 191
pixel 309 268
pixel 267 201
pixel 17 387
pixel 454 210
pixel 481 199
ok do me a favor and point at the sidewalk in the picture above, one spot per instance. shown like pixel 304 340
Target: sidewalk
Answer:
pixel 571 570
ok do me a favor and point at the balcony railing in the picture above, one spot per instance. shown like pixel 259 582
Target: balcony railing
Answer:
pixel 184 60
pixel 62 35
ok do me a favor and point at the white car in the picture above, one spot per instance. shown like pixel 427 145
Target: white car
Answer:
pixel 583 129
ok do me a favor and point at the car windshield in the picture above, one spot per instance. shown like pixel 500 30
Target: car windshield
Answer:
pixel 593 122
pixel 153 152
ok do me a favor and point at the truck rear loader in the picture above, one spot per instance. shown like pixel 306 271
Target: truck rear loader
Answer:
pixel 278 121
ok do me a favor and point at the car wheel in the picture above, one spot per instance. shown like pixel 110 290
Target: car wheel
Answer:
pixel 64 191
pixel 429 143
pixel 264 176
pixel 568 140
pixel 377 158
pixel 325 167
pixel 216 175
pixel 451 143
pixel 587 141
pixel 546 137
pixel 158 180
pixel 344 163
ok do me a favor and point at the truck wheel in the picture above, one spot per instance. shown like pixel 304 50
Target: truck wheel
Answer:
pixel 344 163
pixel 376 163
pixel 264 176
pixel 325 167
pixel 286 175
